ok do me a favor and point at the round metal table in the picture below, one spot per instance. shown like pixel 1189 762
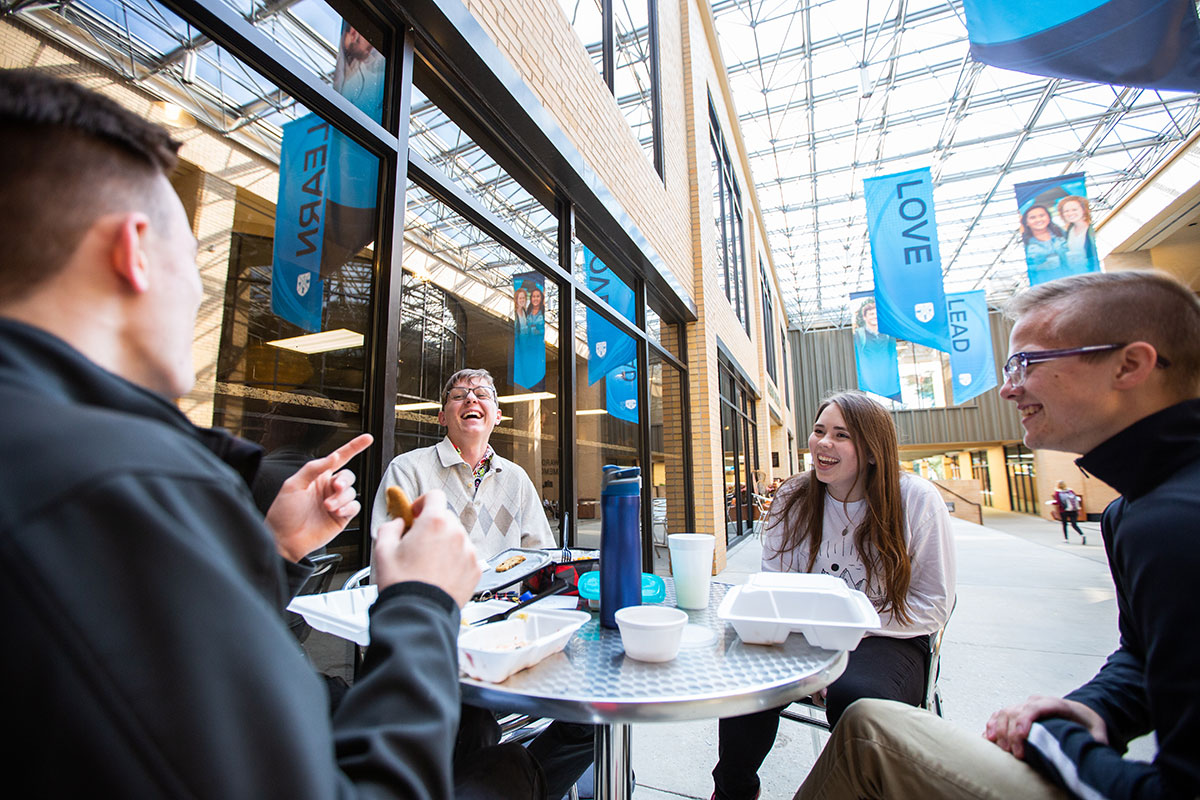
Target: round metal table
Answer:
pixel 593 681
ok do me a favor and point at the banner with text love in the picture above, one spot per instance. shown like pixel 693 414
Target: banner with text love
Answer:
pixel 972 362
pixel 911 303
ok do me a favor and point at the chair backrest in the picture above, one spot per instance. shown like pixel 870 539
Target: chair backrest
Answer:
pixel 316 583
pixel 811 714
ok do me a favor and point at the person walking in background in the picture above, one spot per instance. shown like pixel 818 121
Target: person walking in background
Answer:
pixel 854 515
pixel 1069 505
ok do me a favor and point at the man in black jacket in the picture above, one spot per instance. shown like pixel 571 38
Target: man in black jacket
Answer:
pixel 145 652
pixel 1107 365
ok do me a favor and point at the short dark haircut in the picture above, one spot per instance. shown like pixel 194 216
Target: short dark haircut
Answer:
pixel 1123 307
pixel 68 156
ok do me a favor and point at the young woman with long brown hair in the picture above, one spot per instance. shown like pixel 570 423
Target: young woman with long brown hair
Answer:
pixel 887 534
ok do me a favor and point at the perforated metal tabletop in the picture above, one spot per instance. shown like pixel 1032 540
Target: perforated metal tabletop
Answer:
pixel 593 681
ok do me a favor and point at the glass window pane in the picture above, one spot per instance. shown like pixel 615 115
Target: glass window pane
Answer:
pixel 606 398
pixel 591 270
pixel 634 70
pixel 286 242
pixel 343 51
pixel 469 302
pixel 444 144
pixel 668 480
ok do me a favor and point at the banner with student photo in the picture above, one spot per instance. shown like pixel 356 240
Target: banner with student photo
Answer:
pixel 972 362
pixel 875 357
pixel 1154 44
pixel 620 392
pixel 608 347
pixel 1056 227
pixel 325 209
pixel 911 303
pixel 529 329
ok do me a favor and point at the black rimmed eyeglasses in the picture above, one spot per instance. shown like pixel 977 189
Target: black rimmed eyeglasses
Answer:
pixel 459 393
pixel 1018 363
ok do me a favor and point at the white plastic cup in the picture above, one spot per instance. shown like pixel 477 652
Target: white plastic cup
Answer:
pixel 691 566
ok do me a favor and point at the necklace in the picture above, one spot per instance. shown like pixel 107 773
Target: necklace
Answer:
pixel 844 514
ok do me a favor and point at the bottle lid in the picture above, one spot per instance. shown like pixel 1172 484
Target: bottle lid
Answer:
pixel 621 480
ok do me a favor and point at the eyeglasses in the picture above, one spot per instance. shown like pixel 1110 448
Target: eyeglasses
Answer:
pixel 458 394
pixel 1018 363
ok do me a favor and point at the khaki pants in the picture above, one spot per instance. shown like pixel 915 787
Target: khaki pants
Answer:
pixel 884 750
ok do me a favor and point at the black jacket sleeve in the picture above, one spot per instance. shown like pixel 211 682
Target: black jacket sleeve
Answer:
pixel 148 657
pixel 1150 682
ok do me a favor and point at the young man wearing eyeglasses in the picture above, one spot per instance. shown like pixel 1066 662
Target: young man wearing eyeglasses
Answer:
pixel 1108 365
pixel 493 497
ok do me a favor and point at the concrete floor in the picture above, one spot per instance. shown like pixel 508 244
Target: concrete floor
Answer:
pixel 1035 615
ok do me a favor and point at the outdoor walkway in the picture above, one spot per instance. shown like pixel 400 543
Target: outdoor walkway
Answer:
pixel 1035 615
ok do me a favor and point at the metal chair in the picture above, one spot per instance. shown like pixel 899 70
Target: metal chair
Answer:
pixel 357 579
pixel 809 713
pixel 316 583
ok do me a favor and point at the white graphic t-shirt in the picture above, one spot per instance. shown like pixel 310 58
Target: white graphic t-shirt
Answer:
pixel 930 550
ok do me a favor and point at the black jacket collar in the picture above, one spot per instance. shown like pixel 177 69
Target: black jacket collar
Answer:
pixel 1149 451
pixel 40 364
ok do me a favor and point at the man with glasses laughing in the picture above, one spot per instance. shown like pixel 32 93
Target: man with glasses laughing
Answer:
pixel 1088 374
pixel 500 508
pixel 493 497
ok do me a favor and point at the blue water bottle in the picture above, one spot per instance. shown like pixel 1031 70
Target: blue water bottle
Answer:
pixel 620 542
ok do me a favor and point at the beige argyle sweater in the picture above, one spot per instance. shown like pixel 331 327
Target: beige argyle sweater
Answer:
pixel 505 511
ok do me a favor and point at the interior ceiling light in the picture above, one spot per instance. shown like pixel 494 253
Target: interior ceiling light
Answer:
pixel 521 398
pixel 418 407
pixel 338 339
pixel 583 412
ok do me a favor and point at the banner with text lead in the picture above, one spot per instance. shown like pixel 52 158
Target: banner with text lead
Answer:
pixel 1153 44
pixel 972 362
pixel 608 347
pixel 911 302
pixel 875 357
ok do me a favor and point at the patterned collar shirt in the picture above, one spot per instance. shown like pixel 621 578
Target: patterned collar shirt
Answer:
pixel 495 500
pixel 482 467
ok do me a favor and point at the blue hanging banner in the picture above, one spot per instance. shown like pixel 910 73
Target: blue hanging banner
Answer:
pixel 1056 227
pixel 529 329
pixel 326 208
pixel 608 347
pixel 1153 44
pixel 297 291
pixel 972 362
pixel 905 258
pixel 620 392
pixel 875 358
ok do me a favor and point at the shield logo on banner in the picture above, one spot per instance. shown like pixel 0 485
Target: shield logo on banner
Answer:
pixel 631 404
pixel 964 378
pixel 303 282
pixel 601 349
pixel 923 311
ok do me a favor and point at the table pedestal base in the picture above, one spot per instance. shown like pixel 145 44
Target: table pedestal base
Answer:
pixel 614 761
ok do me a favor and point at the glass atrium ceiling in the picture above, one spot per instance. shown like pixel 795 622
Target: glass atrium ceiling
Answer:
pixel 830 92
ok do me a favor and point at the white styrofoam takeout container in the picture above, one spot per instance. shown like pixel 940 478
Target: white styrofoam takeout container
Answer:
pixel 493 652
pixel 345 613
pixel 823 608
pixel 342 613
